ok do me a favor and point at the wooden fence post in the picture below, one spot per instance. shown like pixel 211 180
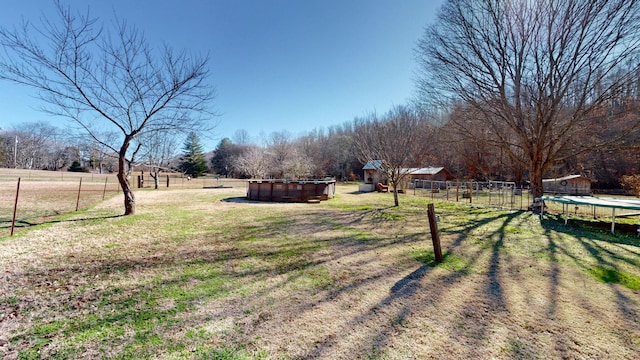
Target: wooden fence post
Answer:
pixel 104 191
pixel 15 208
pixel 78 198
pixel 435 237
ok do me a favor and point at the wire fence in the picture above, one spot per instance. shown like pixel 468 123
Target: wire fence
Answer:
pixel 29 198
pixel 504 195
pixel 176 180
pixel 501 194
pixel 42 195
pixel 32 197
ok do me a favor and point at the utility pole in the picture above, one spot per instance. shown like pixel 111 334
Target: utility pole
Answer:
pixel 15 154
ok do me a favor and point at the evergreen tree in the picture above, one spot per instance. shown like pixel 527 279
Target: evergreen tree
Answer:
pixel 224 156
pixel 193 161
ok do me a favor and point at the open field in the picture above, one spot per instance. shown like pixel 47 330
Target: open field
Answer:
pixel 204 274
pixel 46 194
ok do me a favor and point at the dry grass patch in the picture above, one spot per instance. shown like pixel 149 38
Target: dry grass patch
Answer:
pixel 200 274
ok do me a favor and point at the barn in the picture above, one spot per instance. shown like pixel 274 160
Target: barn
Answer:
pixel 569 185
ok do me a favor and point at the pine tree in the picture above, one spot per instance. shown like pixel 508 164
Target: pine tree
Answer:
pixel 193 161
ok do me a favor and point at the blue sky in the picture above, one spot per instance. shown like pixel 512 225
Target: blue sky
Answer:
pixel 293 65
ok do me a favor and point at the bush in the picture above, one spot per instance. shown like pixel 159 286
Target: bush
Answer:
pixel 631 182
pixel 76 167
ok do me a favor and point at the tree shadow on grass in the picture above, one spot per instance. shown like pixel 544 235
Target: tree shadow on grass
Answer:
pixel 600 250
pixel 248 257
pixel 406 296
pixel 25 223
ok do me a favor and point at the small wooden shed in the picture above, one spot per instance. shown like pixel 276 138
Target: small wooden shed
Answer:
pixel 569 185
pixel 373 173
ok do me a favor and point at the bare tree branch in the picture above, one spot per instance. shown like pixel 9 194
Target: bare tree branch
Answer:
pixel 542 75
pixel 108 83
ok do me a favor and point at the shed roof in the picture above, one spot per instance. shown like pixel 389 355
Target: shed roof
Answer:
pixel 431 170
pixel 373 165
pixel 568 177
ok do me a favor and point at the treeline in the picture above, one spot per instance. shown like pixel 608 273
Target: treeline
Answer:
pixel 331 152
pixel 41 146
pixel 325 152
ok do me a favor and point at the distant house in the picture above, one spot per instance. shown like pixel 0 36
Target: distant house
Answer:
pixel 569 185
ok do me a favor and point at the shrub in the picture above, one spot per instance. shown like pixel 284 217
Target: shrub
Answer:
pixel 631 182
pixel 76 167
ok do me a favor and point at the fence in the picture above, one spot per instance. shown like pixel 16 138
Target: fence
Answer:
pixel 501 194
pixel 42 195
pixel 31 197
pixel 176 180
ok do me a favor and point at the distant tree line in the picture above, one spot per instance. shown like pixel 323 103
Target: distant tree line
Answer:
pixel 331 152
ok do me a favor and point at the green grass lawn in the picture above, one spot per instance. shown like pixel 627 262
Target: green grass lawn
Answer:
pixel 204 274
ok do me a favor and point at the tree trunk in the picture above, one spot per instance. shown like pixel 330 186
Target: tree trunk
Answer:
pixel 535 176
pixel 129 198
pixel 155 174
pixel 394 186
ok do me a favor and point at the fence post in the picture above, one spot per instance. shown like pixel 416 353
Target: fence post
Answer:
pixel 431 189
pixel 78 198
pixel 104 191
pixel 15 208
pixel 167 180
pixel 446 186
pixel 435 237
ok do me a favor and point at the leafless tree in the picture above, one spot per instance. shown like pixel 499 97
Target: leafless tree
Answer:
pixel 157 151
pixel 241 137
pixel 280 147
pixel 252 162
pixel 400 139
pixel 542 75
pixel 108 83
pixel 33 146
pixel 297 165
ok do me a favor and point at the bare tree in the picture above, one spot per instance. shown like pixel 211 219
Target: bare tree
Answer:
pixel 400 140
pixel 158 150
pixel 541 74
pixel 107 83
pixel 280 147
pixel 241 137
pixel 34 145
pixel 252 162
pixel 297 164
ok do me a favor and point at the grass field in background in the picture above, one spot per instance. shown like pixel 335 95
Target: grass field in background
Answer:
pixel 46 194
